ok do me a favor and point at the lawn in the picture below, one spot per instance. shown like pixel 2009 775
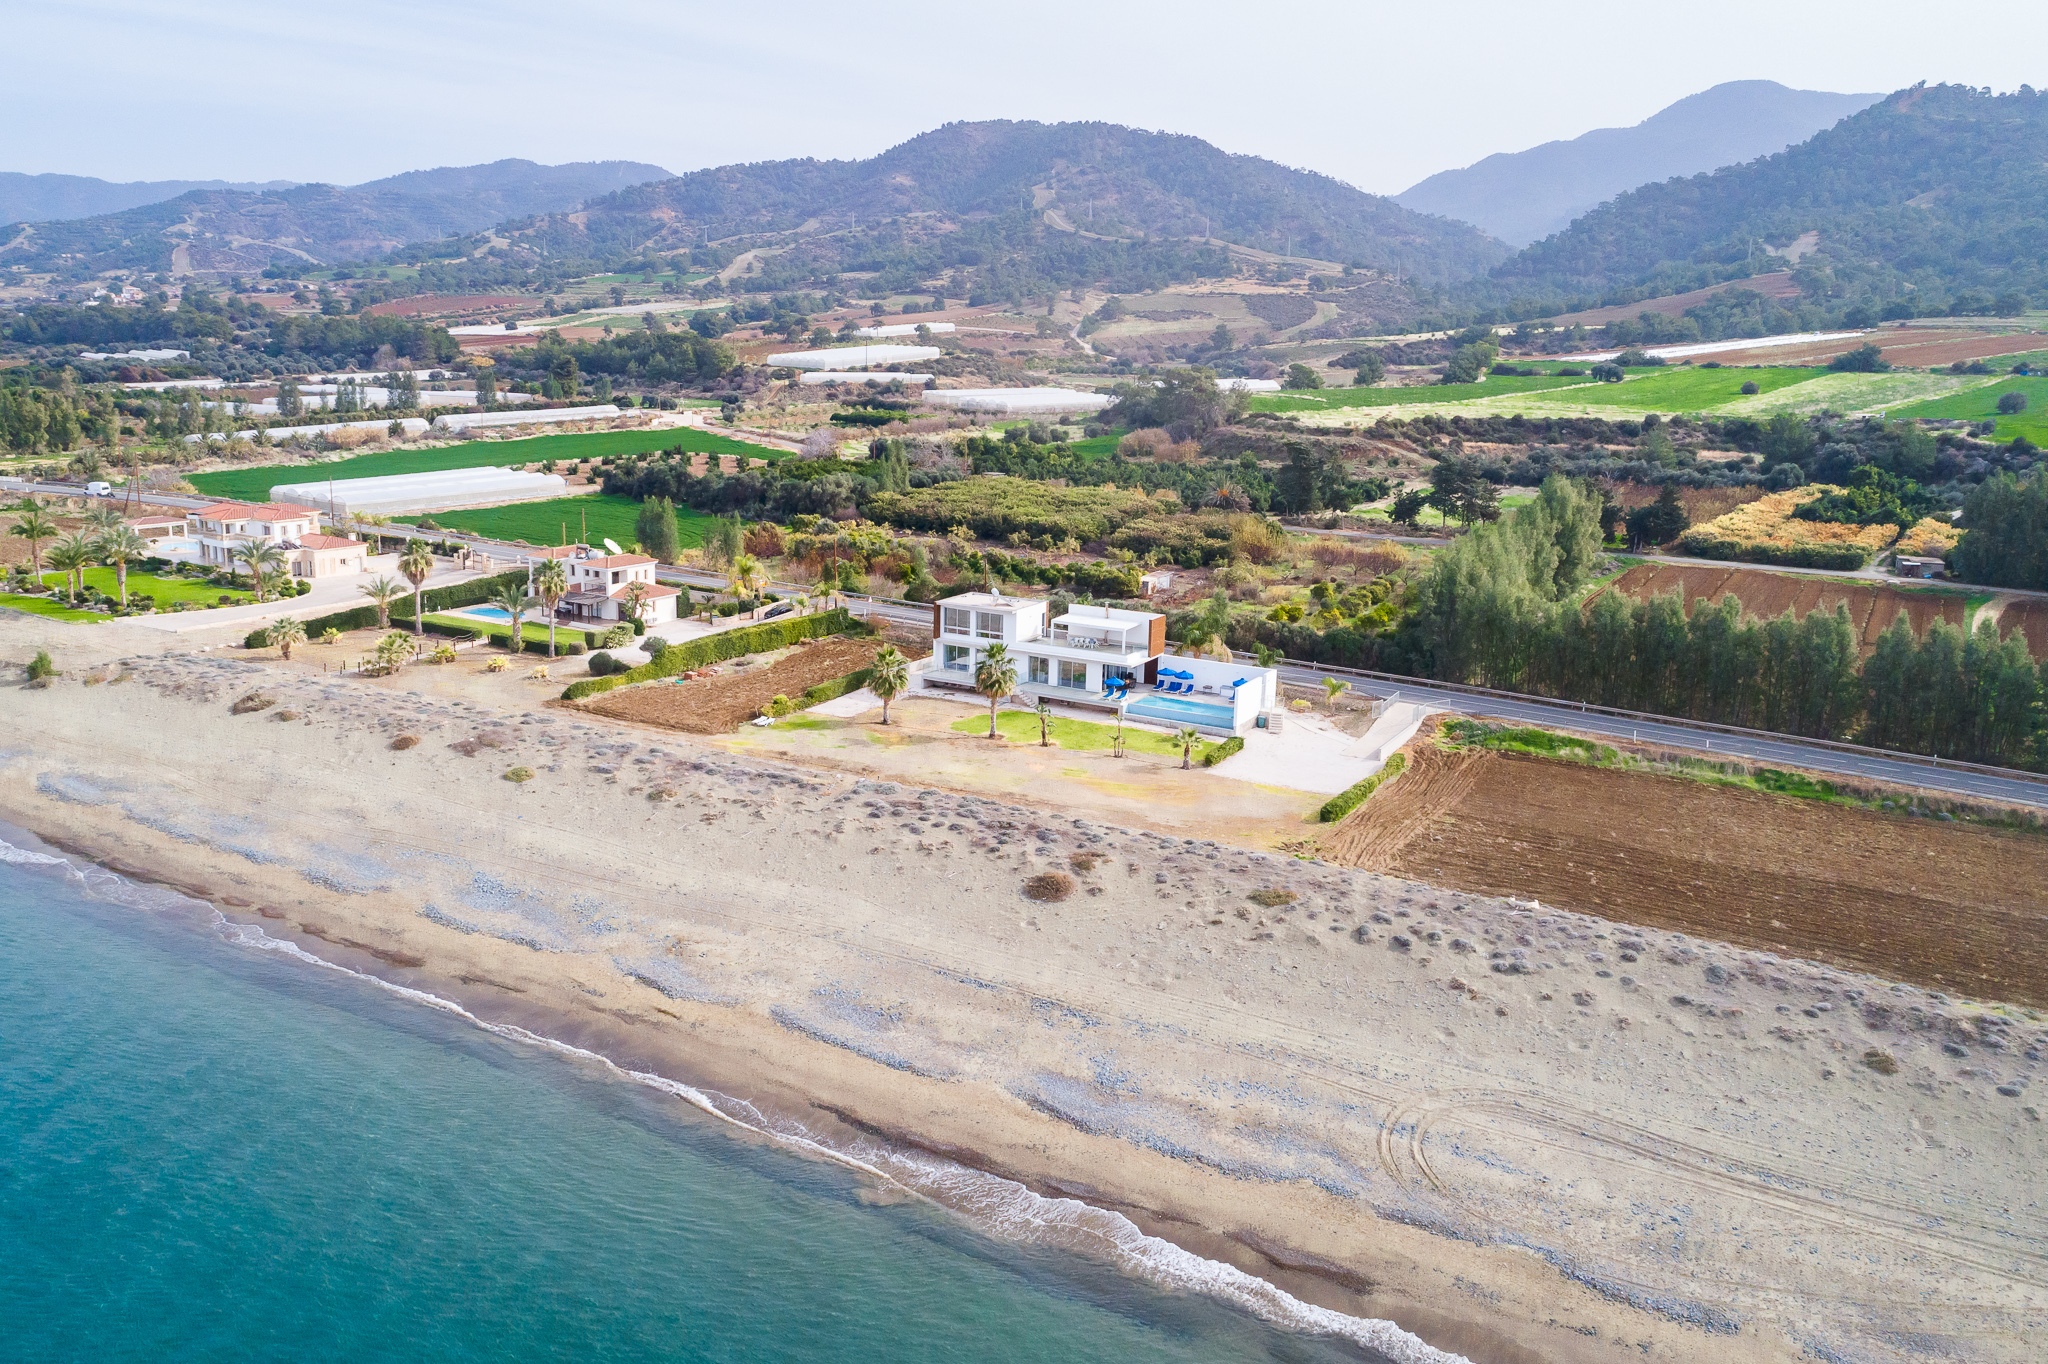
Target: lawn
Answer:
pixel 528 629
pixel 1078 736
pixel 1691 390
pixel 254 484
pixel 1981 404
pixel 1836 392
pixel 163 591
pixel 1322 400
pixel 607 515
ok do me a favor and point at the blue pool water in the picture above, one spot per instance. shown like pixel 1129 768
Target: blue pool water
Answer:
pixel 488 612
pixel 1180 710
pixel 210 1150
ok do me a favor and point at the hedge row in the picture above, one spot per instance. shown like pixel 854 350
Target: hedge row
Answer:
pixel 1791 556
pixel 829 690
pixel 695 653
pixel 1234 744
pixel 1338 806
pixel 471 593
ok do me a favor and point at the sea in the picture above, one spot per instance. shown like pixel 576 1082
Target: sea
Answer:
pixel 216 1147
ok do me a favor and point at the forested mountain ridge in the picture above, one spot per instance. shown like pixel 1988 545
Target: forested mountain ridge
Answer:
pixel 219 230
pixel 1082 181
pixel 1933 192
pixel 55 198
pixel 1522 197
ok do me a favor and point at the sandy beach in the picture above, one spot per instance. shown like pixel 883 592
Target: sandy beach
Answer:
pixel 1512 1132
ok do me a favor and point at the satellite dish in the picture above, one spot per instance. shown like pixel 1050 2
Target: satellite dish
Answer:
pixel 612 547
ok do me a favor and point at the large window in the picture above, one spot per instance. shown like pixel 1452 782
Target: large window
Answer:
pixel 1037 669
pixel 956 620
pixel 956 658
pixel 1073 674
pixel 987 625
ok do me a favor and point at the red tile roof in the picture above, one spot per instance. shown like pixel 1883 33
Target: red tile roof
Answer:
pixel 255 511
pixel 328 542
pixel 618 561
pixel 648 591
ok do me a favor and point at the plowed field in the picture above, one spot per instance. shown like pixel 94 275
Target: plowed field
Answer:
pixel 716 705
pixel 2031 615
pixel 1944 906
pixel 1872 606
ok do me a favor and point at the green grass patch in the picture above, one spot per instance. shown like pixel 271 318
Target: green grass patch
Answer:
pixel 1079 736
pixel 608 515
pixel 805 722
pixel 1323 400
pixel 1690 390
pixel 1097 447
pixel 254 484
pixel 1981 404
pixel 1523 739
pixel 163 592
pixel 531 631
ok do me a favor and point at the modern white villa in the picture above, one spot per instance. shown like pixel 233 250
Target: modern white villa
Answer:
pixel 1101 657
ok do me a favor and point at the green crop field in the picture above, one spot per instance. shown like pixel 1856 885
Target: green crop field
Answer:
pixel 1690 390
pixel 1322 400
pixel 1981 404
pixel 546 523
pixel 254 484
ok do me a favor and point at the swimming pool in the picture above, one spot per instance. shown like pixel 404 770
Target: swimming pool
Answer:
pixel 1180 710
pixel 498 613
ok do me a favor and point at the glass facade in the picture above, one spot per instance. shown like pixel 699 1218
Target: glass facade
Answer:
pixel 1037 669
pixel 1073 674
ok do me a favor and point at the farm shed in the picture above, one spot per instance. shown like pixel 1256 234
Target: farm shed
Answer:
pixel 1913 566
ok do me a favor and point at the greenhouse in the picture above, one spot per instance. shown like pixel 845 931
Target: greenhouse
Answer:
pixel 1020 401
pixel 841 356
pixel 405 494
pixel 462 421
pixel 844 376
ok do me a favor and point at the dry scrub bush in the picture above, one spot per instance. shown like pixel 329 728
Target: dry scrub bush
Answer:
pixel 405 741
pixel 1369 561
pixel 519 774
pixel 1272 899
pixel 1257 539
pixel 1085 861
pixel 250 704
pixel 1049 886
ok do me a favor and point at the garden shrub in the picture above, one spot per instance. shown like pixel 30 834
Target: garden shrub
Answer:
pixel 749 639
pixel 1345 802
pixel 619 636
pixel 1217 753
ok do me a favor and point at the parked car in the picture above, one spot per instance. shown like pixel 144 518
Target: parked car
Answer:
pixel 781 608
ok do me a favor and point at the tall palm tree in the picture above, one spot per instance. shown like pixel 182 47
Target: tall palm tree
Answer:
pixel 995 677
pixel 743 575
pixel 262 557
pixel 1187 738
pixel 285 633
pixel 35 526
pixel 103 517
pixel 71 556
pixel 550 585
pixel 121 547
pixel 889 677
pixel 1044 712
pixel 417 564
pixel 383 591
pixel 513 601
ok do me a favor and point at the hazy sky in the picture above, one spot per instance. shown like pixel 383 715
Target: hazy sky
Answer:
pixel 1376 94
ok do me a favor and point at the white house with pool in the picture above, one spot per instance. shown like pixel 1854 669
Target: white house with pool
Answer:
pixel 1098 657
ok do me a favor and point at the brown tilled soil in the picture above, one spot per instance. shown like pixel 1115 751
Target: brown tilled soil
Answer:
pixel 1915 347
pixel 716 705
pixel 1872 606
pixel 2031 615
pixel 1945 906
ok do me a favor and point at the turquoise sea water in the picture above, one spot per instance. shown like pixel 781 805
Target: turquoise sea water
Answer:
pixel 211 1152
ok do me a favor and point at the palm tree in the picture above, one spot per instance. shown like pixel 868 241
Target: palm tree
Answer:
pixel 261 556
pixel 1187 738
pixel 383 591
pixel 71 556
pixel 1336 688
pixel 285 633
pixel 121 547
pixel 744 573
pixel 995 677
pixel 513 601
pixel 417 564
pixel 103 517
pixel 34 526
pixel 392 651
pixel 550 585
pixel 1044 713
pixel 889 677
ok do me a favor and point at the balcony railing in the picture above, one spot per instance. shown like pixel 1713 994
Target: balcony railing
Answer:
pixel 1073 641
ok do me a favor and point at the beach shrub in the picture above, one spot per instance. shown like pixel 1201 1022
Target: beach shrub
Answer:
pixel 1272 899
pixel 40 668
pixel 518 774
pixel 1049 886
pixel 1346 801
pixel 749 639
pixel 1216 754
pixel 405 741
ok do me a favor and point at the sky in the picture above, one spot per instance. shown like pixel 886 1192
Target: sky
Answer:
pixel 1378 95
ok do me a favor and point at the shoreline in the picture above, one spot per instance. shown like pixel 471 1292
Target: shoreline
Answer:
pixel 917 1006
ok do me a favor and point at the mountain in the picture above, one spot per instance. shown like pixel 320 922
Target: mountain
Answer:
pixel 1071 182
pixel 234 231
pixel 51 198
pixel 1522 197
pixel 1931 193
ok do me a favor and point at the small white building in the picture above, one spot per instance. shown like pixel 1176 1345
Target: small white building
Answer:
pixel 1102 657
pixel 601 585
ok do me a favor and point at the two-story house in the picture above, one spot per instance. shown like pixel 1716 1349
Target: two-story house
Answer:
pixel 600 586
pixel 223 528
pixel 1102 657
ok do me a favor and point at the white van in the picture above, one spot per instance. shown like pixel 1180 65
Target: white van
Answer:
pixel 99 489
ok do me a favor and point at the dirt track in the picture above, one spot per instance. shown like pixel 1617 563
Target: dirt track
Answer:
pixel 1950 907
pixel 1872 606
pixel 715 705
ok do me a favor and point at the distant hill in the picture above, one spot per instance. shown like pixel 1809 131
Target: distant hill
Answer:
pixel 1522 197
pixel 51 198
pixel 1059 181
pixel 1932 194
pixel 235 231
